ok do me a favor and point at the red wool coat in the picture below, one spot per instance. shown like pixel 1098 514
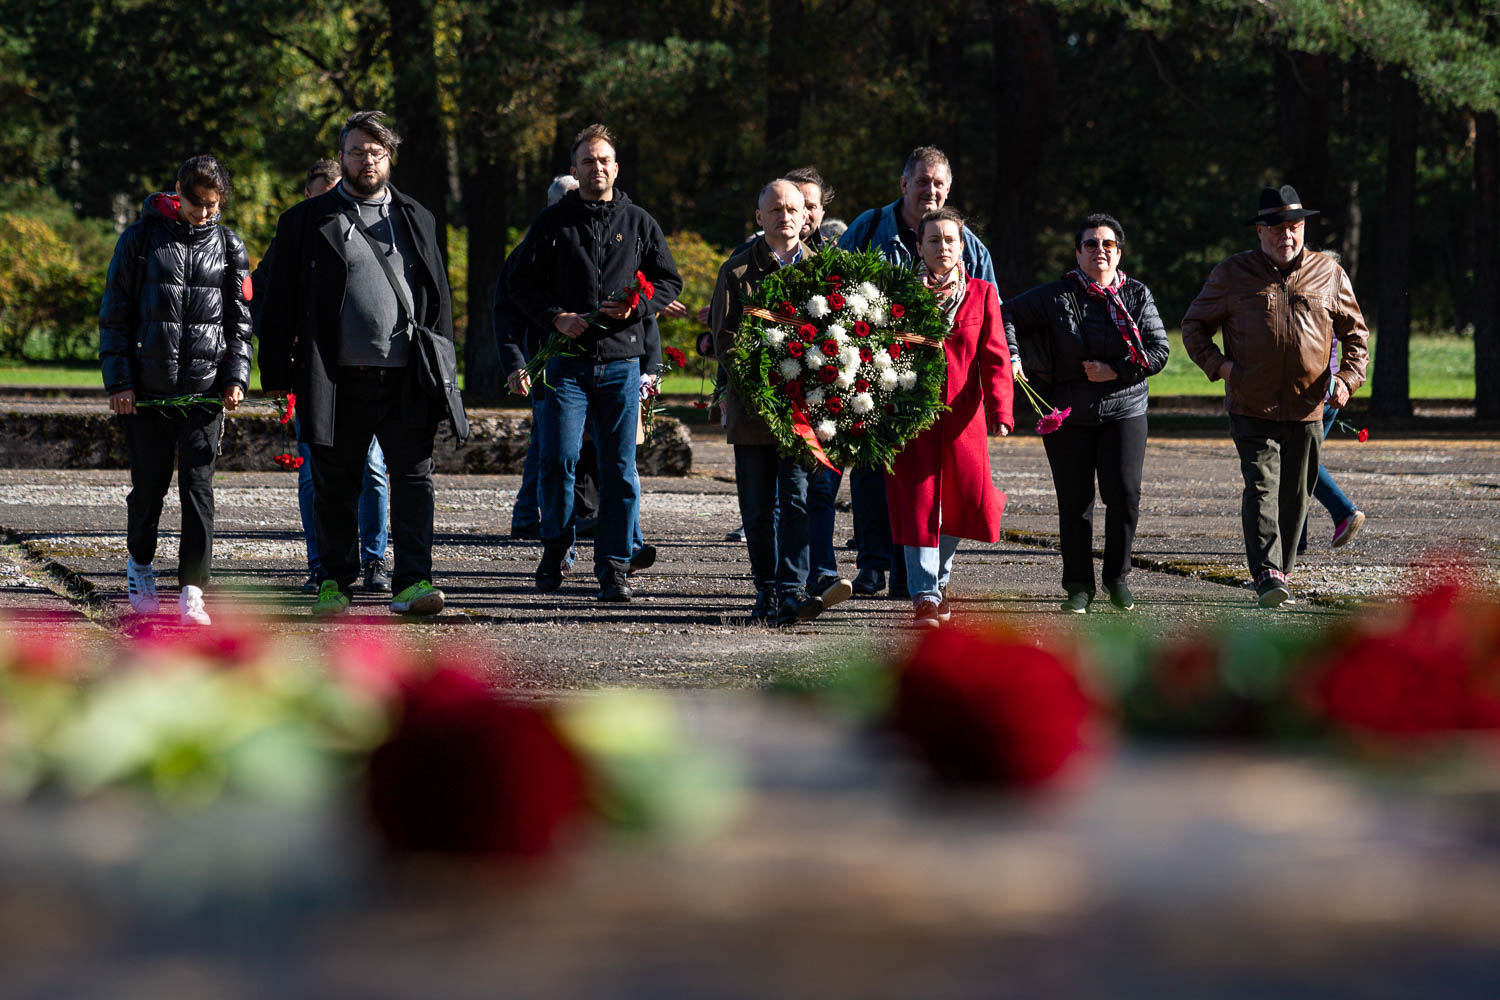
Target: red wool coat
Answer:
pixel 942 476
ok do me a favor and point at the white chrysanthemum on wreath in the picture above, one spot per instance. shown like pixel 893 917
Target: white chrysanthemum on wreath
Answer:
pixel 814 358
pixel 862 402
pixel 888 379
pixel 908 380
pixel 826 430
pixel 776 337
pixel 856 304
pixel 817 307
pixel 839 332
pixel 815 398
pixel 846 378
pixel 883 360
pixel 877 315
pixel 849 356
pixel 789 368
pixel 869 291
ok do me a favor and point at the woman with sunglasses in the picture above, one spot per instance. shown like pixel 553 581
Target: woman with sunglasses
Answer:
pixel 1092 339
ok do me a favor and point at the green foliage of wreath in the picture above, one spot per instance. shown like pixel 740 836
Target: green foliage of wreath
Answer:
pixel 880 396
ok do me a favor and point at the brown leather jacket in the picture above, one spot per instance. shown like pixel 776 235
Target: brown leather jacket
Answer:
pixel 738 279
pixel 1278 331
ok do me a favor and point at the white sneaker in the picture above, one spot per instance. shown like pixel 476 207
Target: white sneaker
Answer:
pixel 190 603
pixel 140 585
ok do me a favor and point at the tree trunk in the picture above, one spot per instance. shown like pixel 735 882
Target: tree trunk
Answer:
pixel 1026 81
pixel 1391 395
pixel 1486 266
pixel 783 86
pixel 1303 98
pixel 421 169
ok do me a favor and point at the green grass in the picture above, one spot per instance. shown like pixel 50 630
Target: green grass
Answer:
pixel 1441 368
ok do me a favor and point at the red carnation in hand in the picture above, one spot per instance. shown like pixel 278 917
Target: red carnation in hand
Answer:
pixel 827 374
pixel 990 709
pixel 834 405
pixel 830 347
pixel 865 354
pixel 291 408
pixel 834 281
pixel 897 310
pixel 796 348
pixel 861 329
pixel 894 350
pixel 466 772
pixel 787 309
pixel 807 332
pixel 675 357
pixel 1364 434
pixel 632 300
pixel 862 385
pixel 835 301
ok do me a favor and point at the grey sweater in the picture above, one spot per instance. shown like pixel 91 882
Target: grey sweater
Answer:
pixel 376 328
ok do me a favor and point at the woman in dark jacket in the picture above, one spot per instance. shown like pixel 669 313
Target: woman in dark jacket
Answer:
pixel 1091 340
pixel 175 322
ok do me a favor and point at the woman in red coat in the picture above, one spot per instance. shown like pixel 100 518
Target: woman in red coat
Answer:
pixel 939 486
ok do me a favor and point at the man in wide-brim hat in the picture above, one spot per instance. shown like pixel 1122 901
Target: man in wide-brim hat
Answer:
pixel 1279 308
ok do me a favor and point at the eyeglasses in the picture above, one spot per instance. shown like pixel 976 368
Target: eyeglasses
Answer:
pixel 1109 245
pixel 377 155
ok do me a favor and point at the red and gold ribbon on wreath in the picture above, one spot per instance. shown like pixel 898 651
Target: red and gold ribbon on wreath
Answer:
pixel 794 320
pixel 803 426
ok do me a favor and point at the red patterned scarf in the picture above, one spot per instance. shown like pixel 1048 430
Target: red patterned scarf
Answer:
pixel 1117 312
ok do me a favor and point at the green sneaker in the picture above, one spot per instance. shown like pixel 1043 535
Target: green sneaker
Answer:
pixel 331 600
pixel 421 598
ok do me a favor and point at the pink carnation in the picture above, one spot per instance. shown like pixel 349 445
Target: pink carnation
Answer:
pixel 1052 421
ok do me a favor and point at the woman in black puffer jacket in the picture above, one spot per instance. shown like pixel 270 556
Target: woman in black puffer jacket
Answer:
pixel 1091 340
pixel 175 322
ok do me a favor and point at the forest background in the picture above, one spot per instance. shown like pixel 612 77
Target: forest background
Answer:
pixel 1169 115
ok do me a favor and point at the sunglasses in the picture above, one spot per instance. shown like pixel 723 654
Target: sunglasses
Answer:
pixel 1109 245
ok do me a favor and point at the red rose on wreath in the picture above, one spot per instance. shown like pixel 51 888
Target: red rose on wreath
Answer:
pixel 787 309
pixel 774 378
pixel 857 428
pixel 835 301
pixel 835 282
pixel 865 354
pixel 830 347
pixel 793 389
pixel 827 374
pixel 807 332
pixel 861 329
pixel 795 348
pixel 862 385
pixel 894 350
pixel 897 310
pixel 834 405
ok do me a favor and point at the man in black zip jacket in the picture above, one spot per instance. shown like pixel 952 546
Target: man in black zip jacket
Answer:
pixel 584 253
pixel 356 272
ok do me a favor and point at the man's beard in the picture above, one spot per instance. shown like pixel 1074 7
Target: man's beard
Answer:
pixel 358 187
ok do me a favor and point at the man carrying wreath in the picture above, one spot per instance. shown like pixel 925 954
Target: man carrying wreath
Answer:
pixel 764 479
pixel 583 253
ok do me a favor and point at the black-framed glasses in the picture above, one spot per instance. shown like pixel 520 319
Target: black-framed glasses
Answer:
pixel 1109 245
pixel 377 155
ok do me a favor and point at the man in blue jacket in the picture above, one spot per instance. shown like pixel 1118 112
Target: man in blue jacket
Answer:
pixel 582 256
pixel 926 181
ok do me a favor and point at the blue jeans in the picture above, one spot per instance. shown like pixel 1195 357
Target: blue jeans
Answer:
pixel 928 568
pixel 374 507
pixel 872 521
pixel 527 513
pixel 822 489
pixel 605 396
pixel 1326 491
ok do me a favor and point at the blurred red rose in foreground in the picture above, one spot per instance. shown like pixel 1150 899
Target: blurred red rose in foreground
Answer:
pixel 467 772
pixel 990 709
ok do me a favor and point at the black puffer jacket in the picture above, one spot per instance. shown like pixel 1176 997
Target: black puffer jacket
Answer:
pixel 579 254
pixel 175 318
pixel 1055 341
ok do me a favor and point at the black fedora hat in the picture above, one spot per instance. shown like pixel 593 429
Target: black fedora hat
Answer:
pixel 1280 205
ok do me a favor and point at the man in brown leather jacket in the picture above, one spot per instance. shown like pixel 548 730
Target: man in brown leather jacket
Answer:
pixel 1279 307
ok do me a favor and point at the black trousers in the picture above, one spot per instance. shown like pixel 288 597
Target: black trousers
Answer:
pixel 370 404
pixel 1279 462
pixel 156 440
pixel 1113 453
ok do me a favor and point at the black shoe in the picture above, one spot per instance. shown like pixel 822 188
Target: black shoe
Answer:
pixel 526 531
pixel 798 608
pixel 1120 596
pixel 945 610
pixel 852 543
pixel 377 580
pixel 310 585
pixel 1274 596
pixel 587 526
pixel 765 606
pixel 869 582
pixel 1078 602
pixel 644 557
pixel 550 571
pixel 737 535
pixel 927 616
pixel 898 591
pixel 614 587
pixel 831 591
